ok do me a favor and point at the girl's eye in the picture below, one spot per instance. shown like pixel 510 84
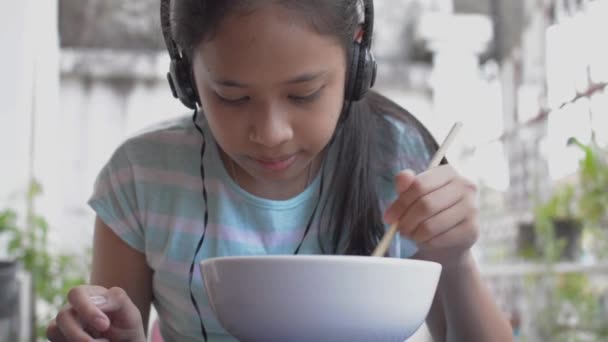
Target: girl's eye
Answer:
pixel 306 98
pixel 237 101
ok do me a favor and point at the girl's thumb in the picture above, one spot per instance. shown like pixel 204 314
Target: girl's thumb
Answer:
pixel 404 179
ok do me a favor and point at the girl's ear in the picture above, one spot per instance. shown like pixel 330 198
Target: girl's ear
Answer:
pixel 358 34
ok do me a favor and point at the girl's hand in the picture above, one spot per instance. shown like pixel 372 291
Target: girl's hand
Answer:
pixel 94 313
pixel 438 210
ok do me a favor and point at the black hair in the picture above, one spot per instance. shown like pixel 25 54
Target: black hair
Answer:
pixel 355 220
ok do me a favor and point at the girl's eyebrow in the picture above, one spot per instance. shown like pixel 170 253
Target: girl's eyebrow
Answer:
pixel 306 77
pixel 303 78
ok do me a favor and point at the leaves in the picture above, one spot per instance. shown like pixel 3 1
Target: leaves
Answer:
pixel 585 201
pixel 593 179
pixel 53 274
pixel 8 220
pixel 562 205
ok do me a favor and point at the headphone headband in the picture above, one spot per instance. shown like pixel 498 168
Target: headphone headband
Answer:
pixel 361 74
pixel 368 23
pixel 165 23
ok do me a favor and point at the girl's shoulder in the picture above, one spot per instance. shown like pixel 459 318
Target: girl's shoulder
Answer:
pixel 165 136
pixel 179 129
pixel 171 145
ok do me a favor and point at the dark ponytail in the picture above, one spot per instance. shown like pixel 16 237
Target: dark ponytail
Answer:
pixel 367 149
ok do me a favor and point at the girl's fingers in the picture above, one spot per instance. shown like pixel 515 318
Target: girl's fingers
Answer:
pixel 463 234
pixel 403 180
pixel 421 185
pixel 69 326
pixel 117 300
pixel 444 172
pixel 428 206
pixel 87 316
pixel 53 333
pixel 446 219
pixel 90 302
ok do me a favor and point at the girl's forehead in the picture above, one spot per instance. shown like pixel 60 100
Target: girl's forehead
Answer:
pixel 270 40
pixel 264 20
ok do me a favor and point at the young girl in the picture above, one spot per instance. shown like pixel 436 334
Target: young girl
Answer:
pixel 288 154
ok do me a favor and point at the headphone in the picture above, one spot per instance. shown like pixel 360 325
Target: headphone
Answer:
pixel 360 77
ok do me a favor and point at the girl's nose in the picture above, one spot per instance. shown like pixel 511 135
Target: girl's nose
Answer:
pixel 271 128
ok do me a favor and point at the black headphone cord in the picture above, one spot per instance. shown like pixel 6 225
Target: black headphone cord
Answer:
pixel 205 220
pixel 314 211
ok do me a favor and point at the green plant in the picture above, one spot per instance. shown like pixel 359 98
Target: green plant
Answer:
pixel 557 225
pixel 561 206
pixel 581 205
pixel 592 197
pixel 574 311
pixel 53 274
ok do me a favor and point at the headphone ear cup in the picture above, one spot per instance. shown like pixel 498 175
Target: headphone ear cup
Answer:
pixel 352 76
pixel 367 74
pixel 181 82
pixel 362 74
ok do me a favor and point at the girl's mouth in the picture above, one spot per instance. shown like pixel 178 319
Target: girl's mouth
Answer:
pixel 276 164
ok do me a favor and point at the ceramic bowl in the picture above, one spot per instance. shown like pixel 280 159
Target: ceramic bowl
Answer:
pixel 320 298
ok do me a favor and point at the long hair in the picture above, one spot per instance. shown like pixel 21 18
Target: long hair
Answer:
pixel 351 215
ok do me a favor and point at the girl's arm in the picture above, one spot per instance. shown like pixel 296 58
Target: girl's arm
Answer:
pixel 116 264
pixel 463 308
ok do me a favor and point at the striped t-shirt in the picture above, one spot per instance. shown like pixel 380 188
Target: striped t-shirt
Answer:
pixel 149 194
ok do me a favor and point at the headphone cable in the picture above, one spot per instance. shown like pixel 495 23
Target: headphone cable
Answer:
pixel 205 220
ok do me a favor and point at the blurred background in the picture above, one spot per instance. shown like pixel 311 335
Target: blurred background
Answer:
pixel 527 77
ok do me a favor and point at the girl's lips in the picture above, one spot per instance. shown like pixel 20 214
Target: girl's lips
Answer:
pixel 279 164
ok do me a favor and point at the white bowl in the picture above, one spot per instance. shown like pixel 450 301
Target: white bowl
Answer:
pixel 320 298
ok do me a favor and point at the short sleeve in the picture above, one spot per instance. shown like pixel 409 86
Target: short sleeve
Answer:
pixel 115 201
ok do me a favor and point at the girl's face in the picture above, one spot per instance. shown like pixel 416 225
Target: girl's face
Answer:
pixel 272 91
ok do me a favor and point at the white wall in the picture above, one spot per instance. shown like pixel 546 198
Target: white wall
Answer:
pixel 28 94
pixel 29 41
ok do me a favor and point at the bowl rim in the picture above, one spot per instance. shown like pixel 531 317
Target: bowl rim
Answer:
pixel 321 257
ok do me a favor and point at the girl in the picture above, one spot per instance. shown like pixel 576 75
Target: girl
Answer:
pixel 288 154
